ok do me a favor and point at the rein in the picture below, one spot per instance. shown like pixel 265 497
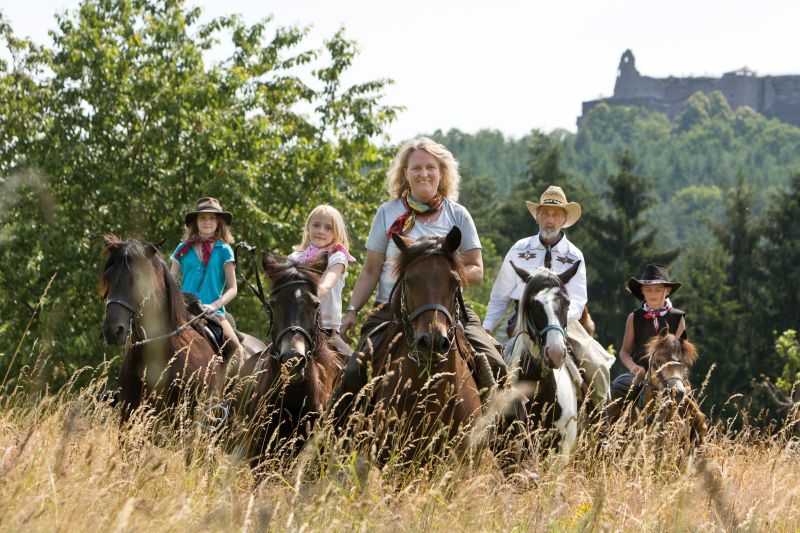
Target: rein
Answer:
pixel 135 311
pixel 258 290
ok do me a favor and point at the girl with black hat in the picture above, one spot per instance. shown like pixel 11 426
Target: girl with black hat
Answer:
pixel 656 313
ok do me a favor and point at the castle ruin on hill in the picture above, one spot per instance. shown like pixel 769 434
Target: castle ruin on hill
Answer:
pixel 772 96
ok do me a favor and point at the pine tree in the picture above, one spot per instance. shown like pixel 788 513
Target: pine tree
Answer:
pixel 624 242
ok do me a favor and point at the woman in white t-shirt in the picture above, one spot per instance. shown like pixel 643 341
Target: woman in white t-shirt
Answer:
pixel 423 186
pixel 325 233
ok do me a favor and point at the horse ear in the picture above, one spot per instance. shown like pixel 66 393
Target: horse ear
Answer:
pixel 150 250
pixel 320 264
pixel 684 336
pixel 160 243
pixel 268 260
pixel 664 332
pixel 453 240
pixel 569 273
pixel 110 241
pixel 401 242
pixel 521 272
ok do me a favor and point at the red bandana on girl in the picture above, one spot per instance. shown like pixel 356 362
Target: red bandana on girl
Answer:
pixel 207 243
pixel 405 222
pixel 312 252
pixel 655 313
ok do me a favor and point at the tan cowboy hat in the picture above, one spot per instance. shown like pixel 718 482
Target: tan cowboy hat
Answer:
pixel 555 196
pixel 208 205
pixel 654 274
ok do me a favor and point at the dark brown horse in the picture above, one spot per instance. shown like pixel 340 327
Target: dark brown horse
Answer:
pixel 425 397
pixel 145 310
pixel 540 356
pixel 665 395
pixel 299 370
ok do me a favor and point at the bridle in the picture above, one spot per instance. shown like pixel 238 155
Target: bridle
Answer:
pixel 407 317
pixel 661 380
pixel 538 336
pixel 277 337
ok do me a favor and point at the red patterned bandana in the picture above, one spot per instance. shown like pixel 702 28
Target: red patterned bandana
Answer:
pixel 405 222
pixel 655 313
pixel 207 243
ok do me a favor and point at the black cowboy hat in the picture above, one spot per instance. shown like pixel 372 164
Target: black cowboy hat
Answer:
pixel 653 274
pixel 208 205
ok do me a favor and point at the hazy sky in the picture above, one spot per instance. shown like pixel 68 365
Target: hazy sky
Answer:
pixel 514 65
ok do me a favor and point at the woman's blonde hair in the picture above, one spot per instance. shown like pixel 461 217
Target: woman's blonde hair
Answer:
pixel 223 232
pixel 339 230
pixel 448 167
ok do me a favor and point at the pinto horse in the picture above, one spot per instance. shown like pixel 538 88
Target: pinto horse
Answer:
pixel 299 370
pixel 424 397
pixel 666 393
pixel 166 356
pixel 540 356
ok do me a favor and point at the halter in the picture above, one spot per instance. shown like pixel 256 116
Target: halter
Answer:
pixel 124 304
pixel 406 317
pixel 661 379
pixel 312 341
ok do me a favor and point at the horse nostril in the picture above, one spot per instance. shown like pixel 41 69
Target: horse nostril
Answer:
pixel 442 345
pixel 424 342
pixel 292 356
pixel 120 332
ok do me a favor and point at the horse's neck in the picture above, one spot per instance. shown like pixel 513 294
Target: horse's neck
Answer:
pixel 154 318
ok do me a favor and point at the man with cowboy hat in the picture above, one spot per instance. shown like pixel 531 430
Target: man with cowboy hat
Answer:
pixel 551 249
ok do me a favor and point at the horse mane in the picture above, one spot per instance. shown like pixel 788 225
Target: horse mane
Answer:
pixel 428 247
pixel 670 343
pixel 123 254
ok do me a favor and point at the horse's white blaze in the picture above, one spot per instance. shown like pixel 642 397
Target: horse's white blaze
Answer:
pixel 554 339
pixel 567 423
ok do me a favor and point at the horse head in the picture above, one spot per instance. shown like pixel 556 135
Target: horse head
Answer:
pixel 670 358
pixel 426 297
pixel 295 309
pixel 132 274
pixel 543 311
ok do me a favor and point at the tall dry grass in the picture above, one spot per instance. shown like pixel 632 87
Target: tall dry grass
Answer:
pixel 66 466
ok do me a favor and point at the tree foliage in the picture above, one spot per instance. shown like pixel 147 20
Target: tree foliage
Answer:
pixel 123 123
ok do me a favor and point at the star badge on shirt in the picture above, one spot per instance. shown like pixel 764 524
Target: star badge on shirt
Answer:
pixel 566 259
pixel 526 255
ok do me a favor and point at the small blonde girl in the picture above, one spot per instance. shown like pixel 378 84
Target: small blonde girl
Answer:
pixel 324 232
pixel 204 262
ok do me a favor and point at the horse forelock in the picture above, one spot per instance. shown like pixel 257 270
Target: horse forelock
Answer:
pixel 123 255
pixel 428 247
pixel 288 271
pixel 541 281
pixel 671 347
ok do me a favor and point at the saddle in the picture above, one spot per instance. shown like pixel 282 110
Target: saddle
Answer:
pixel 212 329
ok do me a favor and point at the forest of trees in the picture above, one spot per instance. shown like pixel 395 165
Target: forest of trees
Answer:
pixel 714 195
pixel 120 124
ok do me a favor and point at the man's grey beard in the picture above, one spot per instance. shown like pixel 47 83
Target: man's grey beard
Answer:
pixel 549 234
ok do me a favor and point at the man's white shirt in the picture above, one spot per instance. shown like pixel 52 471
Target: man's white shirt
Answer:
pixel 529 254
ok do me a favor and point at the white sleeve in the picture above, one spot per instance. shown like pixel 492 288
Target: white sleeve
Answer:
pixel 577 292
pixel 501 293
pixel 337 258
